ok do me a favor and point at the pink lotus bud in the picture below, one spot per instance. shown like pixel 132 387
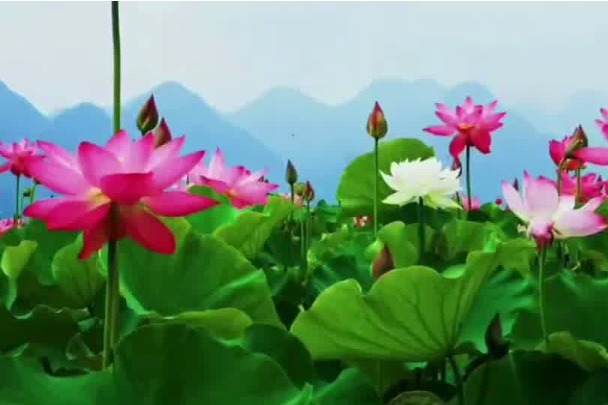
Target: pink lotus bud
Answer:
pixel 377 127
pixel 309 192
pixel 162 134
pixel 383 263
pixel 148 116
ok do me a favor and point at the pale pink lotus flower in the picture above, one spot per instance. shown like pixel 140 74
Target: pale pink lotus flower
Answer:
pixel 128 177
pixel 243 187
pixel 592 186
pixel 549 216
pixel 18 155
pixel 297 199
pixel 475 203
pixel 472 124
pixel 9 223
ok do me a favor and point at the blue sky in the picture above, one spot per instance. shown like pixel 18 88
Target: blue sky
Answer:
pixel 59 54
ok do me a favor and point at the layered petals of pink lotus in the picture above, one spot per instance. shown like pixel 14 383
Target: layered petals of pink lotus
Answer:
pixel 475 203
pixel 132 178
pixel 243 187
pixel 592 186
pixel 18 155
pixel 472 124
pixel 557 151
pixel 548 216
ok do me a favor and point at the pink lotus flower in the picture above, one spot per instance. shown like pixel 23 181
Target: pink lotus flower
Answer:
pixel 475 203
pixel 9 223
pixel 557 151
pixel 123 177
pixel 592 186
pixel 472 124
pixel 18 155
pixel 548 215
pixel 297 199
pixel 243 187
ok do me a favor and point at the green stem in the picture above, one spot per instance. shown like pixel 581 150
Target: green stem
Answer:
pixel 421 228
pixel 559 180
pixel 541 293
pixel 110 319
pixel 578 185
pixel 302 243
pixel 17 195
pixel 376 175
pixel 33 193
pixel 468 177
pixel 308 225
pixel 458 378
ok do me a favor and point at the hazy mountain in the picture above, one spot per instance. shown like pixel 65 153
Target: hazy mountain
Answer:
pixel 328 137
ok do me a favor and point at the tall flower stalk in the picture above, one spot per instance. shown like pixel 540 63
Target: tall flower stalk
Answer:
pixel 421 228
pixel 17 195
pixel 468 178
pixel 112 321
pixel 542 253
pixel 377 127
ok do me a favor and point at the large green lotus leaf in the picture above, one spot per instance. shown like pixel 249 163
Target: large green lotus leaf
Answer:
pixel 574 302
pixel 225 323
pixel 15 258
pixel 351 387
pixel 24 382
pixel 282 347
pixel 403 242
pixel 209 220
pixel 533 378
pixel 204 273
pixel 79 280
pixel 189 367
pixel 356 189
pixel 252 229
pixel 409 314
pixel 590 356
pixel 505 293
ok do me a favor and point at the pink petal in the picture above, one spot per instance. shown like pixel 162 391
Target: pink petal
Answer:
pixel 172 171
pixel 578 223
pixel 514 201
pixel 5 167
pixel 440 130
pixel 94 238
pixel 593 204
pixel 178 203
pixel 217 165
pixel 147 230
pixel 140 154
pixel 604 113
pixel 457 146
pixel 482 140
pixel 76 215
pixel 58 177
pixel 446 115
pixel 41 209
pixel 218 186
pixel 541 196
pixel 127 188
pixel 119 144
pixel 557 151
pixel 168 151
pixel 595 155
pixel 96 162
pixel 58 154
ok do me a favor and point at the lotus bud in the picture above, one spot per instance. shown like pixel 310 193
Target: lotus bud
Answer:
pixel 162 134
pixel 579 141
pixel 516 184
pixel 383 263
pixel 291 174
pixel 148 116
pixel 299 189
pixel 377 127
pixel 27 192
pixel 309 192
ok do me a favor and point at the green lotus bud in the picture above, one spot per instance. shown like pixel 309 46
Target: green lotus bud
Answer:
pixel 377 127
pixel 162 134
pixel 291 174
pixel 147 119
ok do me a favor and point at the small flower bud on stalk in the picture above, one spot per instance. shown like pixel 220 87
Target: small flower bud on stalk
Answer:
pixel 291 174
pixel 309 193
pixel 162 134
pixel 377 127
pixel 147 119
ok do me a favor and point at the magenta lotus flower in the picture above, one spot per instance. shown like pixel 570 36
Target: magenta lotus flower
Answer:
pixel 549 216
pixel 243 187
pixel 18 155
pixel 129 178
pixel 557 151
pixel 472 124
pixel 592 186
pixel 475 203
pixel 9 223
pixel 594 154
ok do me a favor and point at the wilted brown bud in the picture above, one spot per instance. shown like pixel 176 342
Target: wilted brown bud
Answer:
pixel 162 134
pixel 377 127
pixel 291 174
pixel 309 192
pixel 148 116
pixel 383 263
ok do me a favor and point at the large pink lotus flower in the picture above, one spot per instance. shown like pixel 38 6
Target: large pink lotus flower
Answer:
pixel 124 178
pixel 472 124
pixel 9 223
pixel 557 151
pixel 18 155
pixel 592 186
pixel 243 187
pixel 549 216
pixel 475 203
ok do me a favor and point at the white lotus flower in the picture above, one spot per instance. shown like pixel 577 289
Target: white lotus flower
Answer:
pixel 425 179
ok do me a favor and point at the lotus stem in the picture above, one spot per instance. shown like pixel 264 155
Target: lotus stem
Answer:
pixel 541 293
pixel 376 175
pixel 308 225
pixel 110 315
pixel 116 54
pixel 421 228
pixel 33 193
pixel 578 185
pixel 458 378
pixel 468 178
pixel 17 195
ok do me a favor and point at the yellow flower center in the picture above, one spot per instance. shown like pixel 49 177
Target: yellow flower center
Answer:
pixel 464 126
pixel 97 197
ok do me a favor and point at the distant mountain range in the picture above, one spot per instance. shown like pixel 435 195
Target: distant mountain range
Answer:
pixel 320 139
